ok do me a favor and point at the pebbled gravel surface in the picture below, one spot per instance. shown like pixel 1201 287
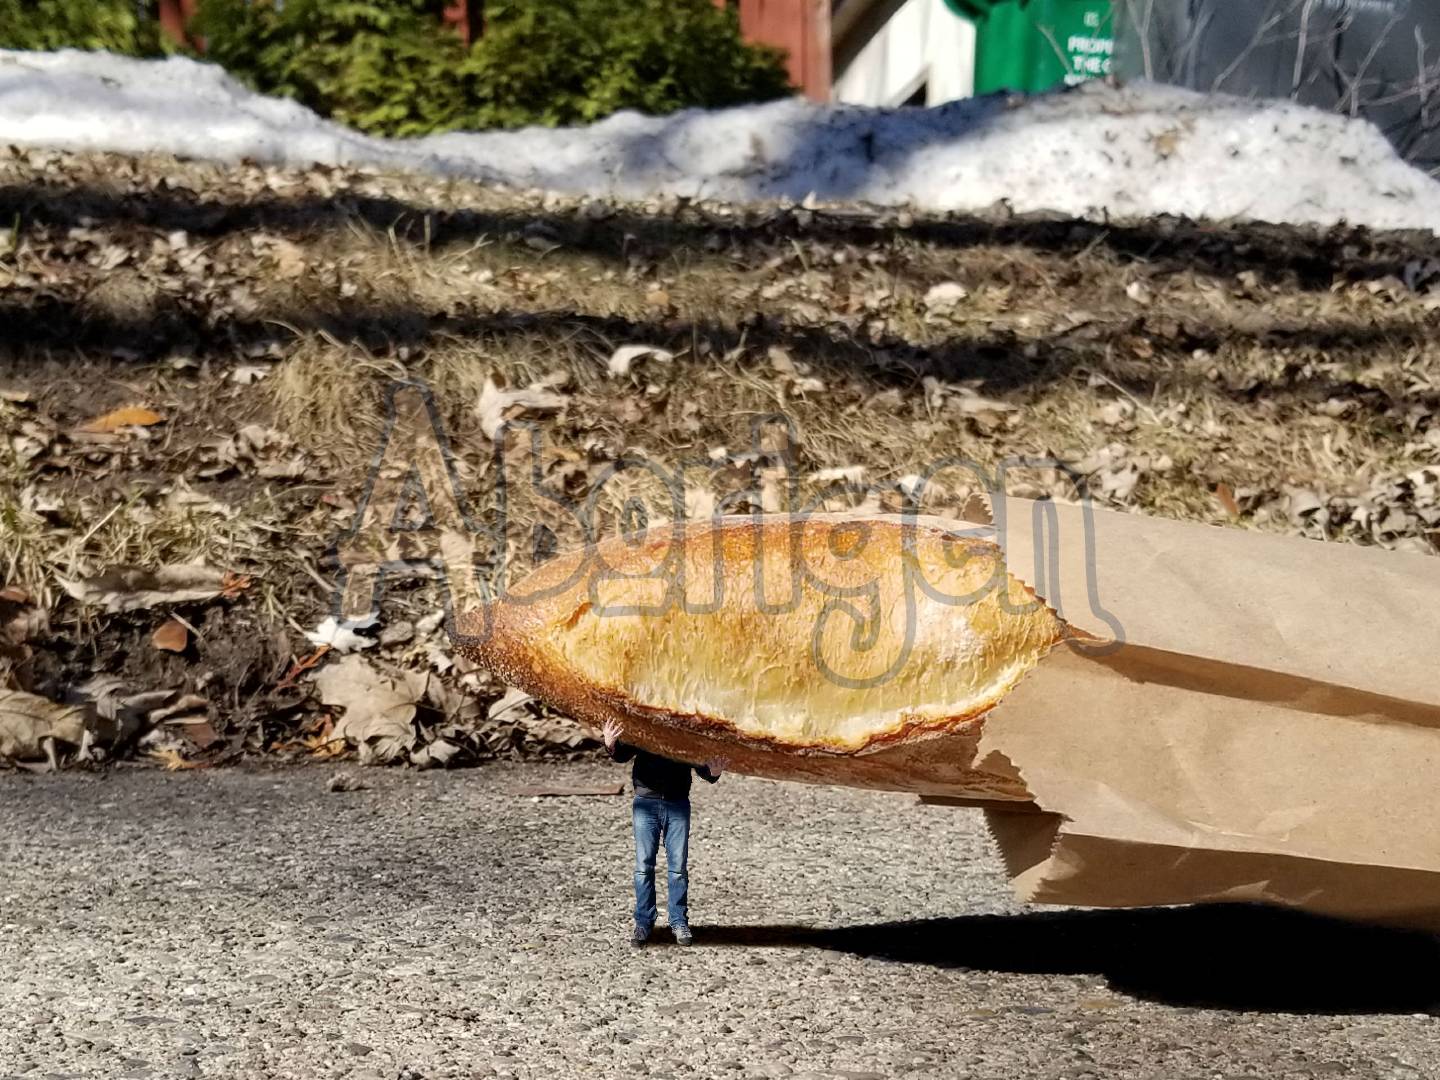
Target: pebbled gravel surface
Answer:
pixel 252 923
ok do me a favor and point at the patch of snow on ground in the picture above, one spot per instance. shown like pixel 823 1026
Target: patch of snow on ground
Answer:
pixel 73 100
pixel 1096 150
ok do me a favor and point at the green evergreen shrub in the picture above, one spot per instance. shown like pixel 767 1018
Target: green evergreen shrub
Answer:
pixel 378 65
pixel 390 67
pixel 574 61
pixel 121 26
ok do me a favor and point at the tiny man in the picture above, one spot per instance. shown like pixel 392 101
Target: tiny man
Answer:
pixel 661 810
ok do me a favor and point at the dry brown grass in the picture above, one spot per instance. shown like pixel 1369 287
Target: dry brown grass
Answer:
pixel 1204 373
pixel 1229 363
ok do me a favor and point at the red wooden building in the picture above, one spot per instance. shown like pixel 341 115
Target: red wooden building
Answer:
pixel 802 29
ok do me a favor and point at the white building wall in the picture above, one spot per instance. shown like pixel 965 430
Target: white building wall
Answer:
pixel 923 43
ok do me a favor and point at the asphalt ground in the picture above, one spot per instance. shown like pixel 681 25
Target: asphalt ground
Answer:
pixel 252 923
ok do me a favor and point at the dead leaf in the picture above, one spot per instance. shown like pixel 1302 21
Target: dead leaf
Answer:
pixel 977 508
pixel 232 584
pixel 198 732
pixel 249 374
pixel 439 752
pixel 781 361
pixel 846 474
pixel 175 761
pixel 341 636
pixel 183 497
pixel 810 384
pixel 130 416
pixel 31 725
pixel 986 413
pixel 379 707
pixel 554 730
pixel 1226 498
pixel 31 440
pixel 623 358
pixel 1303 505
pixel 273 454
pixel 699 502
pixel 513 701
pixel 1117 413
pixel 130 588
pixel 319 739
pixel 497 405
pixel 772 491
pixel 945 296
pixel 20 621
pixel 1119 483
pixel 934 391
pixel 1096 460
pixel 457 707
pixel 121 715
pixel 172 636
pixel 289 258
pixel 1166 142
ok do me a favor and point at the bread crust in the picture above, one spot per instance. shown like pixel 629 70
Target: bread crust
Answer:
pixel 834 649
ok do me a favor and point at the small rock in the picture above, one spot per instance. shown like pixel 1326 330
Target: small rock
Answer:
pixel 397 634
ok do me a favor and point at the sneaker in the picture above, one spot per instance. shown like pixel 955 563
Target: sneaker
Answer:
pixel 683 935
pixel 640 936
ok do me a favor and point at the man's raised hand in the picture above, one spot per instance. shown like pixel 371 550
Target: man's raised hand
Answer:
pixel 610 732
pixel 716 765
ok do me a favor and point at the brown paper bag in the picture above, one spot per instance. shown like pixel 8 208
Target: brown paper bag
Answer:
pixel 1260 722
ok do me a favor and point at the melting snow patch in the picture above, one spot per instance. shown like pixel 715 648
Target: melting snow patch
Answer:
pixel 1091 151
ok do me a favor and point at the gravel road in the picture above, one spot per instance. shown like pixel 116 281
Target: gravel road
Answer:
pixel 251 923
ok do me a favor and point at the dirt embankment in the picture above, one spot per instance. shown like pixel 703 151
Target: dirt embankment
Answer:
pixel 195 363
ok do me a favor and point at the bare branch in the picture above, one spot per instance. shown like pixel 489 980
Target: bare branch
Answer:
pixel 1300 48
pixel 1354 83
pixel 1256 41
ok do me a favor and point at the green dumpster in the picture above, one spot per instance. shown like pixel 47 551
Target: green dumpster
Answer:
pixel 1034 45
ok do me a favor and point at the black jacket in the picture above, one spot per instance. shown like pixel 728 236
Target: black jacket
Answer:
pixel 656 777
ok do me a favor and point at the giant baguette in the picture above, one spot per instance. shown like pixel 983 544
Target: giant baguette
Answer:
pixel 837 650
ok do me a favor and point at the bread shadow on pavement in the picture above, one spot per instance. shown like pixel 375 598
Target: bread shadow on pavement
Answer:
pixel 1229 956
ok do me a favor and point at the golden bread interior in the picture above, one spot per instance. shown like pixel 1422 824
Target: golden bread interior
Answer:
pixel 780 637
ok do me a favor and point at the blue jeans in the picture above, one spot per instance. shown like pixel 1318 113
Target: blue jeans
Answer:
pixel 654 819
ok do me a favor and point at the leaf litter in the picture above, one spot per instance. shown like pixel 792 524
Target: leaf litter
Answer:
pixel 165 582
